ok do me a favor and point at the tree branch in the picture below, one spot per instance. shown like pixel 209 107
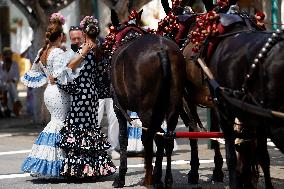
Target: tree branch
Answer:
pixel 138 4
pixel 62 6
pixel 30 17
pixel 40 13
pixel 109 3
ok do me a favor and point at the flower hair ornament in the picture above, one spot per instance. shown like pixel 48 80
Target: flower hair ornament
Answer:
pixel 57 17
pixel 84 24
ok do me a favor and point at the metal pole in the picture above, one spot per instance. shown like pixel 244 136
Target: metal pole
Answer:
pixel 274 14
pixel 209 144
pixel 95 8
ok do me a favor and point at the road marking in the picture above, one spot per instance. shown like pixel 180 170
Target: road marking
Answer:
pixel 14 152
pixel 14 176
pixel 6 135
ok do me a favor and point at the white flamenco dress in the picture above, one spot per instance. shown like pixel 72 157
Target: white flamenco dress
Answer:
pixel 45 158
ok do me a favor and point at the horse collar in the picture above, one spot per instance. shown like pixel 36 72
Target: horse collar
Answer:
pixel 271 41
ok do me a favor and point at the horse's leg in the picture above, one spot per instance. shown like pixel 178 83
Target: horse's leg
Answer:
pixel 231 158
pixel 246 164
pixel 119 181
pixel 153 120
pixel 157 173
pixel 231 163
pixel 218 174
pixel 172 119
pixel 193 175
pixel 169 150
pixel 147 140
pixel 263 159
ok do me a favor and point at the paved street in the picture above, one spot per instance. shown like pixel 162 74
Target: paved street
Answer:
pixel 17 136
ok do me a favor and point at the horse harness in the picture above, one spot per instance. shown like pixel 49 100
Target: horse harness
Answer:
pixel 227 20
pixel 237 98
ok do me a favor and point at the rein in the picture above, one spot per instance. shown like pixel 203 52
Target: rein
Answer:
pixel 233 33
pixel 227 95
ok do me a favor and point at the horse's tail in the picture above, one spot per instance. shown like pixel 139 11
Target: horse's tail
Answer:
pixel 166 66
pixel 166 78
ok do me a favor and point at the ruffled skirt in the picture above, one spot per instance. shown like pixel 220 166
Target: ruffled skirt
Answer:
pixel 45 158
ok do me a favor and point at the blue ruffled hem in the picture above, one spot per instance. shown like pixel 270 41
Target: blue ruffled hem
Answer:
pixel 37 78
pixel 34 79
pixel 42 167
pixel 48 139
pixel 134 132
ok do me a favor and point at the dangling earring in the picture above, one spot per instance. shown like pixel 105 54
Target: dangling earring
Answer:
pixel 84 38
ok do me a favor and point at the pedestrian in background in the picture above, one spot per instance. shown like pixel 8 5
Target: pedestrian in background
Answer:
pixel 76 37
pixel 106 106
pixel 9 78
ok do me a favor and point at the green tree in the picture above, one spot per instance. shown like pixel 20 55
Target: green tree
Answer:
pixel 37 13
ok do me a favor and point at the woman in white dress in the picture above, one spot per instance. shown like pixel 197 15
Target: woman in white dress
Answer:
pixel 46 157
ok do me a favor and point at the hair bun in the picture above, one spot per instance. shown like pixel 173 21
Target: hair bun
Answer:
pixel 47 34
pixel 57 18
pixel 88 20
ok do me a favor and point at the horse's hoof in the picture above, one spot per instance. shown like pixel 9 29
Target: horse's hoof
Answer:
pixel 192 177
pixel 158 185
pixel 270 186
pixel 118 182
pixel 169 181
pixel 143 182
pixel 218 176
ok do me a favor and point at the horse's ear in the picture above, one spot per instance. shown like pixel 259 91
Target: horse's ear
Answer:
pixel 114 18
pixel 166 6
pixel 139 16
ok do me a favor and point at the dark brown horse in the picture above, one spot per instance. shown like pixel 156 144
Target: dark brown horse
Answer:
pixel 243 175
pixel 230 63
pixel 197 92
pixel 147 75
pixel 251 64
pixel 246 62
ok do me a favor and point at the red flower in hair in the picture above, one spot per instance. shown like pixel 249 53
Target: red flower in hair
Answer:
pixel 260 15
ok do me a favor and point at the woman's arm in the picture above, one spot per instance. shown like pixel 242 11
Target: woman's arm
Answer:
pixel 35 77
pixel 74 63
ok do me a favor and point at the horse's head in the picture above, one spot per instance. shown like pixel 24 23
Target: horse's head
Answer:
pixel 129 29
pixel 121 33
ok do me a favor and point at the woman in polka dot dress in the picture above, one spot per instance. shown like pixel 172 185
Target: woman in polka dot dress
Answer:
pixel 45 158
pixel 82 139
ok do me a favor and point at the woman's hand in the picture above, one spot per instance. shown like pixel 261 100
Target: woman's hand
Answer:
pixel 51 79
pixel 86 47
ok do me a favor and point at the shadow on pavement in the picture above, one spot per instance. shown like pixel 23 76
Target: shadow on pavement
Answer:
pixel 22 125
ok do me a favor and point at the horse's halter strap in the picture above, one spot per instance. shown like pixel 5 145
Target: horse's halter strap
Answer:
pixel 126 35
pixel 271 41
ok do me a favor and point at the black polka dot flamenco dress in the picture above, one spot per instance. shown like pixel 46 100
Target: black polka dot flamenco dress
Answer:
pixel 81 138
